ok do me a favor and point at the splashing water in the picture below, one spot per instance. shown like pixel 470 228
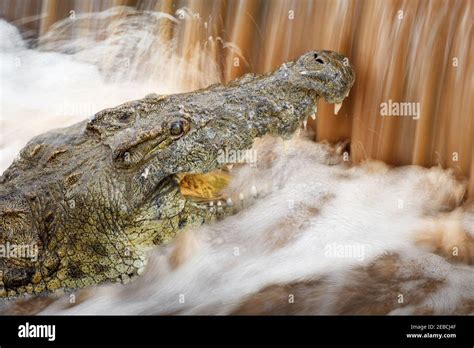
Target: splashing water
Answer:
pixel 343 244
pixel 68 78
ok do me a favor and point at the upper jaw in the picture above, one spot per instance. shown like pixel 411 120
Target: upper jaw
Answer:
pixel 335 90
pixel 337 101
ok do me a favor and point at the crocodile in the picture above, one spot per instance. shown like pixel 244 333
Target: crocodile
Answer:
pixel 82 205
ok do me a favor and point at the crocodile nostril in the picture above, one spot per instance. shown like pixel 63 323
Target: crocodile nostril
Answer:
pixel 319 60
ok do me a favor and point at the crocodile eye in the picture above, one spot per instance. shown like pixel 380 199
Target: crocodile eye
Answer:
pixel 177 128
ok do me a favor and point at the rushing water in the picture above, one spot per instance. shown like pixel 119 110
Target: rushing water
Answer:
pixel 60 62
pixel 318 238
pixel 405 51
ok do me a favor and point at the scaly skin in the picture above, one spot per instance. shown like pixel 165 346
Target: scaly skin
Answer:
pixel 95 196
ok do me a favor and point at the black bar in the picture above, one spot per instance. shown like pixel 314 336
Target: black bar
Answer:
pixel 313 330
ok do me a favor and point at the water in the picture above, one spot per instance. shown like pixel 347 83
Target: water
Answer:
pixel 65 81
pixel 320 238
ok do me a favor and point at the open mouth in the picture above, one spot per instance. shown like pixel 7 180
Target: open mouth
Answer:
pixel 209 188
pixel 205 188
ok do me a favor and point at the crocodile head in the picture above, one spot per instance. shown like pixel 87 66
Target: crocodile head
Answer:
pixel 327 73
pixel 189 133
pixel 96 195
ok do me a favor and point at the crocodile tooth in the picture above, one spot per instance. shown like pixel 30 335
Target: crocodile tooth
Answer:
pixel 313 116
pixel 241 196
pixel 211 203
pixel 253 191
pixel 219 203
pixel 305 122
pixel 229 167
pixel 347 94
pixel 229 202
pixel 337 107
